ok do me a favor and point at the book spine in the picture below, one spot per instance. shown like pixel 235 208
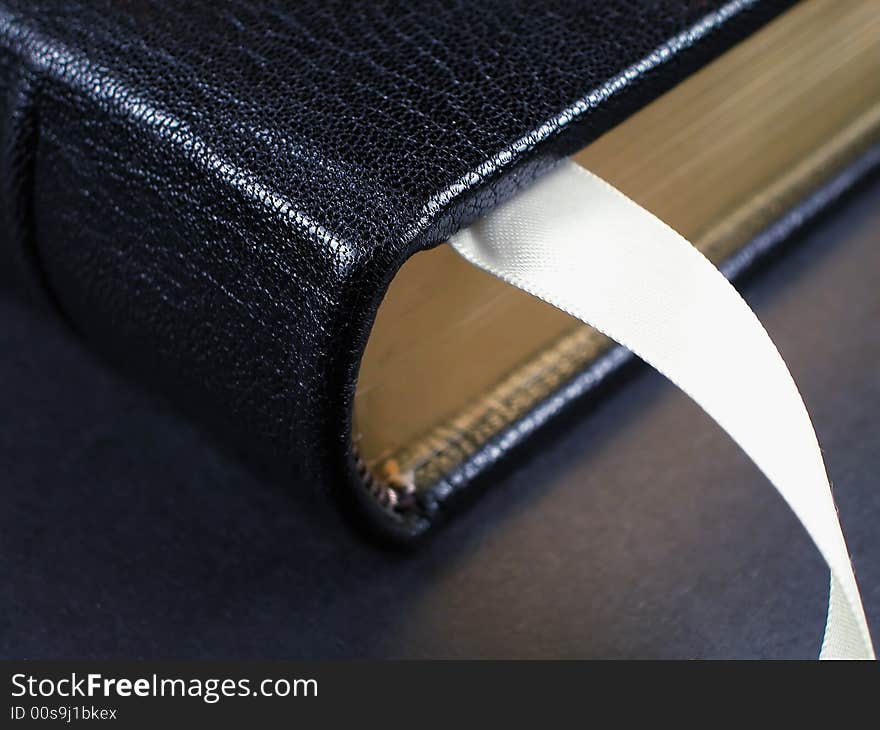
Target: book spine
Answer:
pixel 175 266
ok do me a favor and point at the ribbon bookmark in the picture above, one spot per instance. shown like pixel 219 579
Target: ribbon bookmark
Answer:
pixel 576 242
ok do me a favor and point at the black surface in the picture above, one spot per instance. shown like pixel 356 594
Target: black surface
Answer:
pixel 637 531
pixel 216 192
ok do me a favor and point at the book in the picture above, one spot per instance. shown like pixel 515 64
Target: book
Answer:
pixel 244 204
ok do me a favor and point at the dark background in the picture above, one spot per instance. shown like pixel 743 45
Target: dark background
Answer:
pixel 636 530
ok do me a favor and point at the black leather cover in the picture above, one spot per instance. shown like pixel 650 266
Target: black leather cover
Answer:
pixel 216 193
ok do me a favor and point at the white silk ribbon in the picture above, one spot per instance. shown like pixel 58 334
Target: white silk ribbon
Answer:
pixel 576 242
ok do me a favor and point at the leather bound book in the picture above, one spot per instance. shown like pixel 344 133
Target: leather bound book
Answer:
pixel 244 203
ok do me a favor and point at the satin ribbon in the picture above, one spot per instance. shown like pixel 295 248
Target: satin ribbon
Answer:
pixel 576 242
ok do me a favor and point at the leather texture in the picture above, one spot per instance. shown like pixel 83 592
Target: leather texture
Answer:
pixel 216 194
